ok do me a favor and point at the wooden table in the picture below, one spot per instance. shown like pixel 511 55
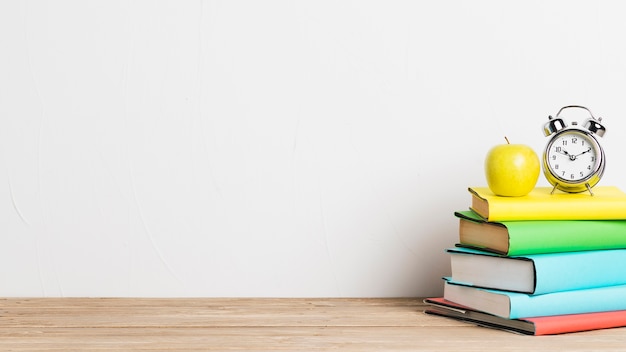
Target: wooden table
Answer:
pixel 206 324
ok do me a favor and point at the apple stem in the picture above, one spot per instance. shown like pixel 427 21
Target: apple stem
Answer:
pixel 507 140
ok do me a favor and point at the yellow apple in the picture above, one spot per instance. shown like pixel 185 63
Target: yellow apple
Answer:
pixel 512 170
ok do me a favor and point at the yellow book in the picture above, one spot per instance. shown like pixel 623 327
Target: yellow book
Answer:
pixel 607 203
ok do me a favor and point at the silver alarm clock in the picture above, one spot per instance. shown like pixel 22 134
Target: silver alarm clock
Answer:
pixel 573 160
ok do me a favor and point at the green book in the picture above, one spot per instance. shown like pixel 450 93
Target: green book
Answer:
pixel 539 236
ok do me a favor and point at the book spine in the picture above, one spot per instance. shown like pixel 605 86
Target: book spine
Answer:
pixel 593 300
pixel 578 322
pixel 578 270
pixel 535 237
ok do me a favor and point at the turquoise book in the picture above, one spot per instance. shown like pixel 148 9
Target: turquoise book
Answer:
pixel 539 273
pixel 514 305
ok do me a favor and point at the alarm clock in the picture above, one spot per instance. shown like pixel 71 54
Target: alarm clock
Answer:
pixel 573 160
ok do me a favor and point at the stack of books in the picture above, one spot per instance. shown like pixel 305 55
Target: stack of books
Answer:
pixel 539 264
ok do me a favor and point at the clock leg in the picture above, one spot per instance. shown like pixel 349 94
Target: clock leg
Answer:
pixel 589 188
pixel 553 188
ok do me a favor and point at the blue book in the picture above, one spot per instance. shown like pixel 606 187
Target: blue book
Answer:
pixel 538 273
pixel 514 305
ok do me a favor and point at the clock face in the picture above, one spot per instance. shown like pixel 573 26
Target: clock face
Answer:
pixel 573 156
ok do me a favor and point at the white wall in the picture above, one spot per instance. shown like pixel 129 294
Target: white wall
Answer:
pixel 274 148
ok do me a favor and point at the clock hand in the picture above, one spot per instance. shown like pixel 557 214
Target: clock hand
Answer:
pixel 586 151
pixel 564 152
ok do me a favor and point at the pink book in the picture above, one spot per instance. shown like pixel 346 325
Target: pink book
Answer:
pixel 551 325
